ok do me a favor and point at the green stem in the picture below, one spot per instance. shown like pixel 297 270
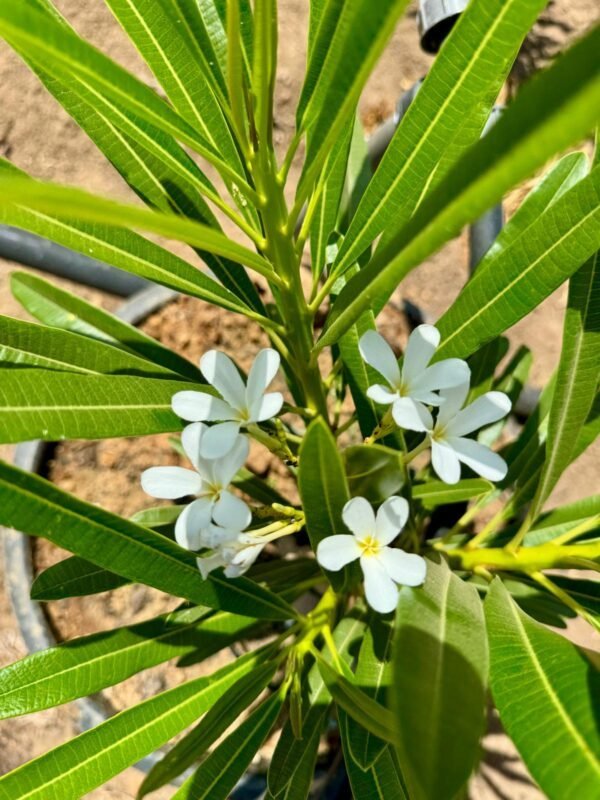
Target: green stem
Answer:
pixel 577 531
pixel 526 559
pixel 565 598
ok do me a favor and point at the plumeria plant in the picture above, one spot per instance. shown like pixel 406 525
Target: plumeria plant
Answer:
pixel 421 568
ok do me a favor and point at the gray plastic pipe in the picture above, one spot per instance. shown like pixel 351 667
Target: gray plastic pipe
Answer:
pixel 34 251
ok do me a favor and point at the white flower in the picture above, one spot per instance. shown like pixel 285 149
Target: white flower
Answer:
pixel 209 483
pixel 448 443
pixel 240 404
pixel 234 550
pixel 413 389
pixel 383 567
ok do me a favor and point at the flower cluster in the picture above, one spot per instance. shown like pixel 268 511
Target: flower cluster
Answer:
pixel 419 386
pixel 217 519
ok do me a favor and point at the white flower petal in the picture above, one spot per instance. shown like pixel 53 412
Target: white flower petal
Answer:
pixel 209 563
pixel 427 398
pixel 217 536
pixel 411 415
pixel 445 462
pixel 381 394
pixel 391 518
pixel 266 407
pixel 378 354
pixel 220 371
pixel 443 375
pixel 261 374
pixel 479 458
pixel 243 560
pixel 231 512
pixel 200 407
pixel 452 401
pixel 419 350
pixel 407 569
pixel 334 552
pixel 359 517
pixel 190 441
pixel 488 408
pixel 225 469
pixel 170 483
pixel 218 440
pixel 191 523
pixel 380 590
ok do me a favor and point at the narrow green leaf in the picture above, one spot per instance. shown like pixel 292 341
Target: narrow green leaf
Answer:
pixel 264 68
pixel 359 705
pixel 361 33
pixel 88 664
pixel 437 493
pixel 61 309
pixel 511 381
pixel 439 683
pixel 382 780
pixel 526 271
pixel 561 177
pixel 125 250
pixel 206 36
pixel 374 676
pixel 483 364
pixel 577 377
pixel 36 507
pixel 258 488
pixel 543 685
pixel 555 109
pixel 323 488
pixel 449 111
pixel 195 744
pixel 52 406
pixel 64 201
pixel 585 592
pixel 74 577
pixel 157 33
pixel 26 344
pixel 78 766
pixel 222 769
pixel 70 58
pixel 561 520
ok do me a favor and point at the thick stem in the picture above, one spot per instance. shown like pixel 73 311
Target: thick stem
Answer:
pixel 526 559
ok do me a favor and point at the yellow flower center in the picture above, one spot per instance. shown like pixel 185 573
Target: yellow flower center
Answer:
pixel 370 546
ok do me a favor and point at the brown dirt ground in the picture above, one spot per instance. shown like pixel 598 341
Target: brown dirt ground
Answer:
pixel 38 136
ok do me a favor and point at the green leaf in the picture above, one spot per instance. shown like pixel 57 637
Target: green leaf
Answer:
pixel 258 488
pixel 361 32
pixel 74 577
pixel 78 766
pixel 60 309
pixel 438 493
pixel 525 272
pixel 155 29
pixel 206 36
pixel 439 683
pixel 36 507
pixel 90 663
pixel 323 488
pixel 483 364
pixel 359 705
pixel 57 49
pixel 374 676
pixel 512 381
pixel 556 108
pixel 25 344
pixel 159 171
pixel 292 767
pixel 449 111
pixel 157 516
pixel 64 201
pixel 382 780
pixel 264 67
pixel 126 250
pixel 586 593
pixel 561 520
pixel 222 769
pixel 195 744
pixel 561 177
pixel 373 471
pixel 542 684
pixel 576 380
pixel 50 405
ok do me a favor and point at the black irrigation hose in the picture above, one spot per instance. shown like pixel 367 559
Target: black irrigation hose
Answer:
pixel 34 251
